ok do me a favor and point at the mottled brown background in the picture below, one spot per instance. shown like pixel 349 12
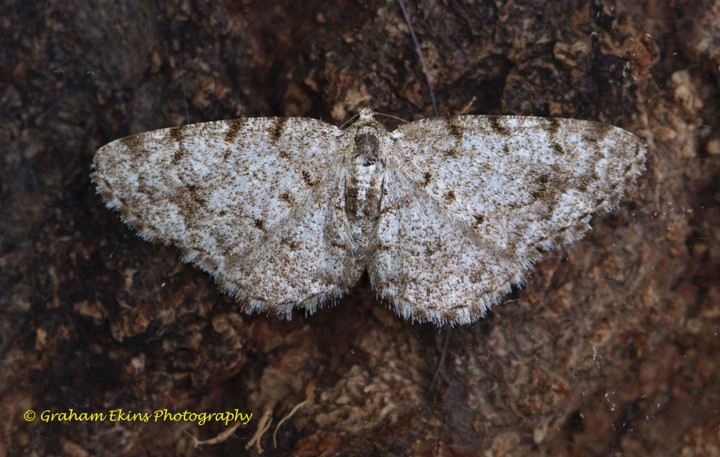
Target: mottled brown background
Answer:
pixel 612 348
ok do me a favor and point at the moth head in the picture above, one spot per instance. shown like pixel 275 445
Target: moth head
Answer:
pixel 369 138
pixel 366 114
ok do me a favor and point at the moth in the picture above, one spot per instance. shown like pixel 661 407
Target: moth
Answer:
pixel 444 214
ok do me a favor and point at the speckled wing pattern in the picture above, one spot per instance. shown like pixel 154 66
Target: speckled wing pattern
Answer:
pixel 239 198
pixel 445 214
pixel 471 201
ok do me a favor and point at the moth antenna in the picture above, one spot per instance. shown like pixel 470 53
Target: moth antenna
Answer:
pixel 390 116
pixel 349 121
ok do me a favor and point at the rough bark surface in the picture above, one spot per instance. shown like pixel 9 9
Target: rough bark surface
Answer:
pixel 612 347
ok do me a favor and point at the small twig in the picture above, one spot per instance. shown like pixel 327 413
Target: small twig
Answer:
pixel 468 107
pixel 420 57
pixel 221 438
pixel 182 80
pixel 309 398
pixel 441 362
pixel 263 426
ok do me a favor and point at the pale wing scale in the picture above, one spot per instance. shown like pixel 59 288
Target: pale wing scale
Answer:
pixel 225 191
pixel 503 188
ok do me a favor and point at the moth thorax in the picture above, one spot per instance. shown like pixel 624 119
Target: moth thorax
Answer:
pixel 363 186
